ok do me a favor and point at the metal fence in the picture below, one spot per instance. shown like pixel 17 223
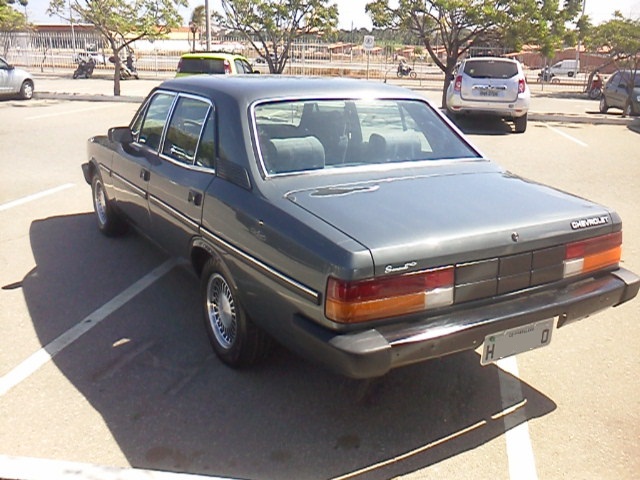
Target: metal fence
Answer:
pixel 52 51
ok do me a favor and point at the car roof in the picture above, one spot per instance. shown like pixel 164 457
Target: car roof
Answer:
pixel 211 55
pixel 252 88
pixel 492 59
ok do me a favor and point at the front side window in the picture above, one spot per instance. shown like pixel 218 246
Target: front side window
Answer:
pixel 184 129
pixel 301 135
pixel 150 132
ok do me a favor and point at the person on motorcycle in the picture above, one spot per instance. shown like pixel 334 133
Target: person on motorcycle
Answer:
pixel 595 84
pixel 403 67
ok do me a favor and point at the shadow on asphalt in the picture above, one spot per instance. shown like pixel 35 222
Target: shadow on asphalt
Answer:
pixel 482 125
pixel 171 405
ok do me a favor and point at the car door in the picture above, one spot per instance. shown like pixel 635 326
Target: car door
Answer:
pixel 182 174
pixel 132 167
pixel 613 91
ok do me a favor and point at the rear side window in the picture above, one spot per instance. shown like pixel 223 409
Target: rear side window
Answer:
pixel 150 132
pixel 201 65
pixel 490 69
pixel 184 129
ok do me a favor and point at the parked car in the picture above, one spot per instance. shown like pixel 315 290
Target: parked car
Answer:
pixel 616 93
pixel 351 222
pixel 217 63
pixel 490 86
pixel 15 81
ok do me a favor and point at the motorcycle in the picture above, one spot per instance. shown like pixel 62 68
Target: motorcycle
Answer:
pixel 405 70
pixel 128 69
pixel 595 87
pixel 85 68
pixel 547 76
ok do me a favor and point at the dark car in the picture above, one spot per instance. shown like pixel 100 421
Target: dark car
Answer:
pixel 351 222
pixel 622 91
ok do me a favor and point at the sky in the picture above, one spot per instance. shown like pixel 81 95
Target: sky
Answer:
pixel 352 11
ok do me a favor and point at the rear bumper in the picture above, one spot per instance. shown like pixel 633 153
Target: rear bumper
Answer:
pixel 374 352
pixel 516 108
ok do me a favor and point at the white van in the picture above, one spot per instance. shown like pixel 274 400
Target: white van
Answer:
pixel 565 68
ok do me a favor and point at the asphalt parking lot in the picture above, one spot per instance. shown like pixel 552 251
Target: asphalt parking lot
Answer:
pixel 106 372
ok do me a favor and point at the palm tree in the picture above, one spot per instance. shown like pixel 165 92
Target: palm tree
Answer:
pixel 197 21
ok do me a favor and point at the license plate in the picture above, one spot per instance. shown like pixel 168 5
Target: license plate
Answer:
pixel 516 340
pixel 488 93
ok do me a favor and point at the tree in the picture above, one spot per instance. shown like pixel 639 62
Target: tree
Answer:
pixel 198 17
pixel 457 24
pixel 10 18
pixel 271 26
pixel 619 36
pixel 122 22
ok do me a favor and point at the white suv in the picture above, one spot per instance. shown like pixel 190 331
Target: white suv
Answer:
pixel 490 86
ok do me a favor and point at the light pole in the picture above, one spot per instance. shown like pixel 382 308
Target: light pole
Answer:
pixel 207 24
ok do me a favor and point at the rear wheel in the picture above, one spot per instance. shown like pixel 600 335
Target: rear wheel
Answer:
pixel 109 222
pixel 234 337
pixel 520 123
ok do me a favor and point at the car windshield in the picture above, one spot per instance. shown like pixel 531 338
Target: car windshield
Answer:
pixel 295 136
pixel 490 69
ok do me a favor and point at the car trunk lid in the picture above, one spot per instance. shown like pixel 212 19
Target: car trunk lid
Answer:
pixel 419 222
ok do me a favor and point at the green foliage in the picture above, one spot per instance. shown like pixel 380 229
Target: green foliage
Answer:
pixel 620 37
pixel 272 25
pixel 10 18
pixel 122 22
pixel 457 25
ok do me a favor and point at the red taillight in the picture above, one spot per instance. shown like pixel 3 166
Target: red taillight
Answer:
pixel 522 85
pixel 373 299
pixel 457 86
pixel 227 67
pixel 593 254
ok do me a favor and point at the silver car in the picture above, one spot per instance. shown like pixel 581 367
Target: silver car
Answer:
pixel 15 81
pixel 490 86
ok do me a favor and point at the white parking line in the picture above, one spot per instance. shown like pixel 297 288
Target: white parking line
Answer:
pixel 26 468
pixel 35 196
pixel 46 353
pixel 68 112
pixel 566 135
pixel 522 464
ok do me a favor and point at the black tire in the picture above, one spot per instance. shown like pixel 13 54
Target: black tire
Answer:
pixel 26 90
pixel 413 74
pixel 520 123
pixel 595 93
pixel 109 222
pixel 75 74
pixel 235 339
pixel 603 107
pixel 399 74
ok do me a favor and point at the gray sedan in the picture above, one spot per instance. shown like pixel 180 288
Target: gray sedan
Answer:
pixel 15 81
pixel 351 222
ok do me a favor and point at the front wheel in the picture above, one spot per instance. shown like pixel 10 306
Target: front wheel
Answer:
pixel 603 105
pixel 233 336
pixel 26 90
pixel 109 223
pixel 413 74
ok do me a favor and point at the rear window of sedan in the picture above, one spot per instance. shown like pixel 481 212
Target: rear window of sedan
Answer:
pixel 201 65
pixel 303 135
pixel 490 69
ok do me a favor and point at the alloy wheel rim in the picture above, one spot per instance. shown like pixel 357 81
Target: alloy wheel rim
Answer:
pixel 221 311
pixel 101 204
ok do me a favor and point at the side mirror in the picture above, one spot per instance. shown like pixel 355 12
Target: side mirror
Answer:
pixel 120 135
